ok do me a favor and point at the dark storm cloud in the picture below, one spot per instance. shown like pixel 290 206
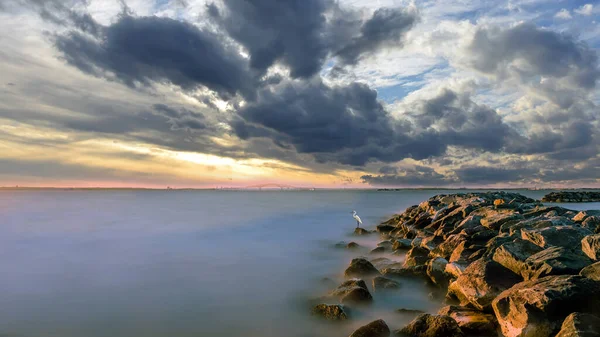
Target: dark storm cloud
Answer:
pixel 567 137
pixel 348 125
pixel 181 118
pixel 388 170
pixel 151 49
pixel 546 53
pixel 302 33
pixel 386 28
pixel 417 176
pixel 491 175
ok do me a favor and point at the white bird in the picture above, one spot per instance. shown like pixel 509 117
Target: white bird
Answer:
pixel 357 218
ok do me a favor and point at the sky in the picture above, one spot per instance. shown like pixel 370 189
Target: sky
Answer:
pixel 319 93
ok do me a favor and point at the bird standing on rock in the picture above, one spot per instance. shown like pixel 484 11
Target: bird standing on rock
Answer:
pixel 357 218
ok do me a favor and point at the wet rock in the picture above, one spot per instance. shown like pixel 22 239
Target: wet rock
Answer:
pixel 387 244
pixel 583 215
pixel 512 255
pixel 331 312
pixel 405 311
pixel 446 248
pixel 481 282
pixel 590 245
pixel 361 231
pixel 426 325
pixel 431 242
pixel 410 272
pixel 455 269
pixel 580 324
pixel 381 283
pixel 383 262
pixel 592 271
pixel 471 322
pixel 592 223
pixel 402 244
pixel 562 236
pixel 348 285
pixel 436 270
pixel 357 295
pixel 464 252
pixel 417 256
pixel 537 308
pixel 352 245
pixel 385 228
pixel 378 250
pixel 554 261
pixel 360 267
pixel 376 328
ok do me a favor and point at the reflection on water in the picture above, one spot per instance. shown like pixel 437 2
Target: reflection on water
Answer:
pixel 158 263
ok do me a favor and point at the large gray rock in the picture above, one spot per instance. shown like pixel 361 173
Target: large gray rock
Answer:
pixel 562 236
pixel 331 312
pixel 376 328
pixel 402 244
pixel 361 231
pixel 592 271
pixel 580 325
pixel 583 215
pixel 470 321
pixel 512 255
pixel 426 325
pixel 381 283
pixel 554 261
pixel 357 296
pixel 481 282
pixel 446 248
pixel 537 308
pixel 592 223
pixel 590 245
pixel 360 267
pixel 348 285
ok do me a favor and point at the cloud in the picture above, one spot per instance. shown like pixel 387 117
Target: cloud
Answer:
pixel 416 176
pixel 143 50
pixel 563 14
pixel 302 37
pixel 586 9
pixel 491 175
pixel 528 52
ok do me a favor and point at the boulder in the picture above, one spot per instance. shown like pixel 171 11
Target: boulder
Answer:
pixel 402 244
pixel 360 267
pixel 592 271
pixel 579 324
pixel 378 250
pixel 499 202
pixel 590 245
pixel 592 223
pixel 361 231
pixel 431 242
pixel 352 245
pixel 417 256
pixel 387 244
pixel 471 322
pixel 455 269
pixel 405 311
pixel 436 270
pixel 426 325
pixel 512 255
pixel 376 328
pixel 331 312
pixel 383 262
pixel 382 283
pixel 403 272
pixel 563 236
pixel 481 282
pixel 348 285
pixel 446 248
pixel 356 296
pixel 385 228
pixel 554 261
pixel 537 308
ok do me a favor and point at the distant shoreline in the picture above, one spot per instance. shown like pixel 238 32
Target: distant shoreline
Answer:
pixel 307 189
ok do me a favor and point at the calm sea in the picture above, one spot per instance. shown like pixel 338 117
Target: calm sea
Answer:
pixel 187 263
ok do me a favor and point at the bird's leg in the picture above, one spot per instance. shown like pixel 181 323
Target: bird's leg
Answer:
pixel 357 224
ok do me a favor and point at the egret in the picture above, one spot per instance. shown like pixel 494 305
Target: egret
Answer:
pixel 357 218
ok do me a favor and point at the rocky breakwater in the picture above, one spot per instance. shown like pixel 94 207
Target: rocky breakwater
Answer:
pixel 505 264
pixel 572 196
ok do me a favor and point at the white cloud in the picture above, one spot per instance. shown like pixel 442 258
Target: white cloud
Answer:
pixel 585 9
pixel 563 14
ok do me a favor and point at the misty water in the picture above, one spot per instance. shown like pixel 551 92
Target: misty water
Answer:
pixel 188 263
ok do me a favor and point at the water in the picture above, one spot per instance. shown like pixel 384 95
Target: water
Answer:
pixel 187 263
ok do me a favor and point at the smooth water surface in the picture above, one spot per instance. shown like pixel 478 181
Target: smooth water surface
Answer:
pixel 187 263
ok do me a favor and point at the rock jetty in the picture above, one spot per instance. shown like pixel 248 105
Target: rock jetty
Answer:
pixel 572 196
pixel 508 266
